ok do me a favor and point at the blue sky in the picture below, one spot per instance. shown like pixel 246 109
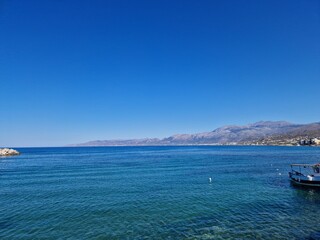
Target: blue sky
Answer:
pixel 74 71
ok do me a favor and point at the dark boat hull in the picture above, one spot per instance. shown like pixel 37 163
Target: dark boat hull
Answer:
pixel 305 182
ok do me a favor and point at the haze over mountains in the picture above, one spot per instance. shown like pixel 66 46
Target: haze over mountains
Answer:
pixel 232 134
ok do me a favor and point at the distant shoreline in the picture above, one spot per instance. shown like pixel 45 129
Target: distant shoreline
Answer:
pixel 200 145
pixel 180 145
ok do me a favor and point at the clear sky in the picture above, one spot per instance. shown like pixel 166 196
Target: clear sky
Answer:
pixel 74 71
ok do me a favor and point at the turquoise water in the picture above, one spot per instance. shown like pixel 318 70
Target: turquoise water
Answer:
pixel 157 193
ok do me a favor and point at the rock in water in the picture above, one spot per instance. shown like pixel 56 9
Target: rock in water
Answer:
pixel 8 152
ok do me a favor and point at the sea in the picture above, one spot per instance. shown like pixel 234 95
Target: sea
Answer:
pixel 157 193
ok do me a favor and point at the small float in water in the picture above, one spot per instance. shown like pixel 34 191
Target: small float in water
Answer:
pixel 305 174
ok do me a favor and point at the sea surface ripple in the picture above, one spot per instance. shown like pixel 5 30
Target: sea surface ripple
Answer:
pixel 157 193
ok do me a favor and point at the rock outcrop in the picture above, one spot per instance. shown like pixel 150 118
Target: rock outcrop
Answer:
pixel 8 152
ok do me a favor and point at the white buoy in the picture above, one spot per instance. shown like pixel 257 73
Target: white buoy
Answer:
pixel 210 180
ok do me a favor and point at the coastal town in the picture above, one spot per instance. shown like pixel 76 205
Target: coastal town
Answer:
pixel 285 141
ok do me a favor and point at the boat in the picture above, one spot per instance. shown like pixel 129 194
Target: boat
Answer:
pixel 305 174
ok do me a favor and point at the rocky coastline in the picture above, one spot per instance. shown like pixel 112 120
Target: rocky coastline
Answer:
pixel 4 152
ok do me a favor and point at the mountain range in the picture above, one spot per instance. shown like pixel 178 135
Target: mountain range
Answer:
pixel 263 132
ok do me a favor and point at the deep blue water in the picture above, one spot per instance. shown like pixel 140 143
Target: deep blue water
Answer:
pixel 157 193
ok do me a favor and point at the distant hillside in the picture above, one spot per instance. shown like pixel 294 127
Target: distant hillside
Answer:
pixel 233 134
pixel 263 132
pixel 292 137
pixel 310 130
